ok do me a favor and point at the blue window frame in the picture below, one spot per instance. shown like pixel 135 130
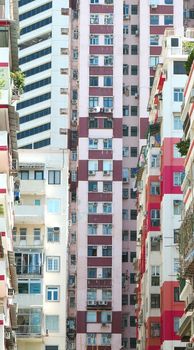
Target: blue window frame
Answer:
pixel 35 11
pixel 24 2
pixel 34 100
pixel 36 25
pixel 35 55
pixel 37 84
pixel 33 131
pixel 37 70
pixel 42 143
pixel 35 115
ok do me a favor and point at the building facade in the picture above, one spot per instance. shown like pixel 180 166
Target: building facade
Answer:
pixel 159 180
pixel 8 172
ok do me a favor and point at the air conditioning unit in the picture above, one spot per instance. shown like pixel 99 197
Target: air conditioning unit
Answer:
pixel 106 172
pixel 91 172
pixel 100 302
pixel 11 292
pixel 136 95
pixel 91 302
pixel 108 110
pixel 153 6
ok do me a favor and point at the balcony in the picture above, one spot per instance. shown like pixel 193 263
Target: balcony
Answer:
pixel 29 214
pixel 32 187
pixel 28 241
pixel 29 323
pixel 185 324
pixel 25 300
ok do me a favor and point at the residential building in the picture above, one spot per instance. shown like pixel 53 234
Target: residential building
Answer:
pixel 188 14
pixel 160 198
pixel 40 243
pixel 186 231
pixel 8 172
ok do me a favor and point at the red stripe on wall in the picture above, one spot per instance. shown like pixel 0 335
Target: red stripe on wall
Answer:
pixel 1 322
pixel 2 190
pixel 2 277
pixel 2 234
pixel 3 148
pixel 3 64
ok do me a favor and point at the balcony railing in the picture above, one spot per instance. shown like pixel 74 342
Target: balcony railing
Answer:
pixel 27 330
pixel 29 269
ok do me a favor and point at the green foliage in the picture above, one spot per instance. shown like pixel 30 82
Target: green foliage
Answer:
pixel 18 80
pixel 188 46
pixel 189 62
pixel 183 147
pixel 2 83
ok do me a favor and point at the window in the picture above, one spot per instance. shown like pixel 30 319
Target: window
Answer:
pixel 154 40
pixel 52 323
pixel 176 236
pixel 134 9
pixel 133 236
pixel 91 339
pixel 176 324
pixel 155 188
pixel 178 178
pixel 107 165
pixel 33 131
pixel 93 143
pixel 52 293
pixel 168 20
pixel 155 161
pixel 125 193
pixel 53 234
pixel 106 251
pixel 37 84
pixel 106 272
pixel 168 2
pixel 108 19
pixel 155 330
pixel 94 1
pixel 35 115
pixel 125 235
pixel 92 186
pixel 125 69
pixel 36 25
pixel 125 49
pixel 132 256
pixel 132 299
pixel 91 294
pixel 92 208
pixel 93 165
pixel 23 233
pixel 134 49
pixel 53 206
pixel 125 214
pixel 107 186
pixel 107 208
pixel 125 175
pixel 155 244
pixel 24 175
pixel 107 229
pixel 155 277
pixel 124 256
pixel 29 286
pixel 133 343
pixel 132 278
pixel 54 177
pixel 94 40
pixel 134 111
pixel 53 263
pixel 177 207
pixel 125 343
pixel 30 102
pixel 36 233
pixel 29 321
pixel 154 60
pixel 134 29
pixel 108 81
pixel 177 123
pixel 92 250
pixel 94 19
pixel 133 130
pixel 108 102
pixel 176 153
pixel 37 202
pixel 108 39
pixel 106 317
pixel 176 294
pixel 154 20
pixel 91 316
pixel 155 301
pixel 94 60
pixel 125 151
pixel 178 94
pixel 28 263
pixel 134 70
pixel 92 229
pixel 35 11
pixel 108 60
pixel 133 194
pixel 133 90
pixel 125 130
pixel 92 272
pixel 106 294
pixel 133 151
pixel 125 111
pixel 35 55
pixel 176 265
pixel 105 339
pixel 107 124
pixel 93 102
pixel 107 143
pixel 93 81
pixel 125 10
pixel 179 67
pixel 155 217
pixel 132 321
pixel 125 29
pixel 133 214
